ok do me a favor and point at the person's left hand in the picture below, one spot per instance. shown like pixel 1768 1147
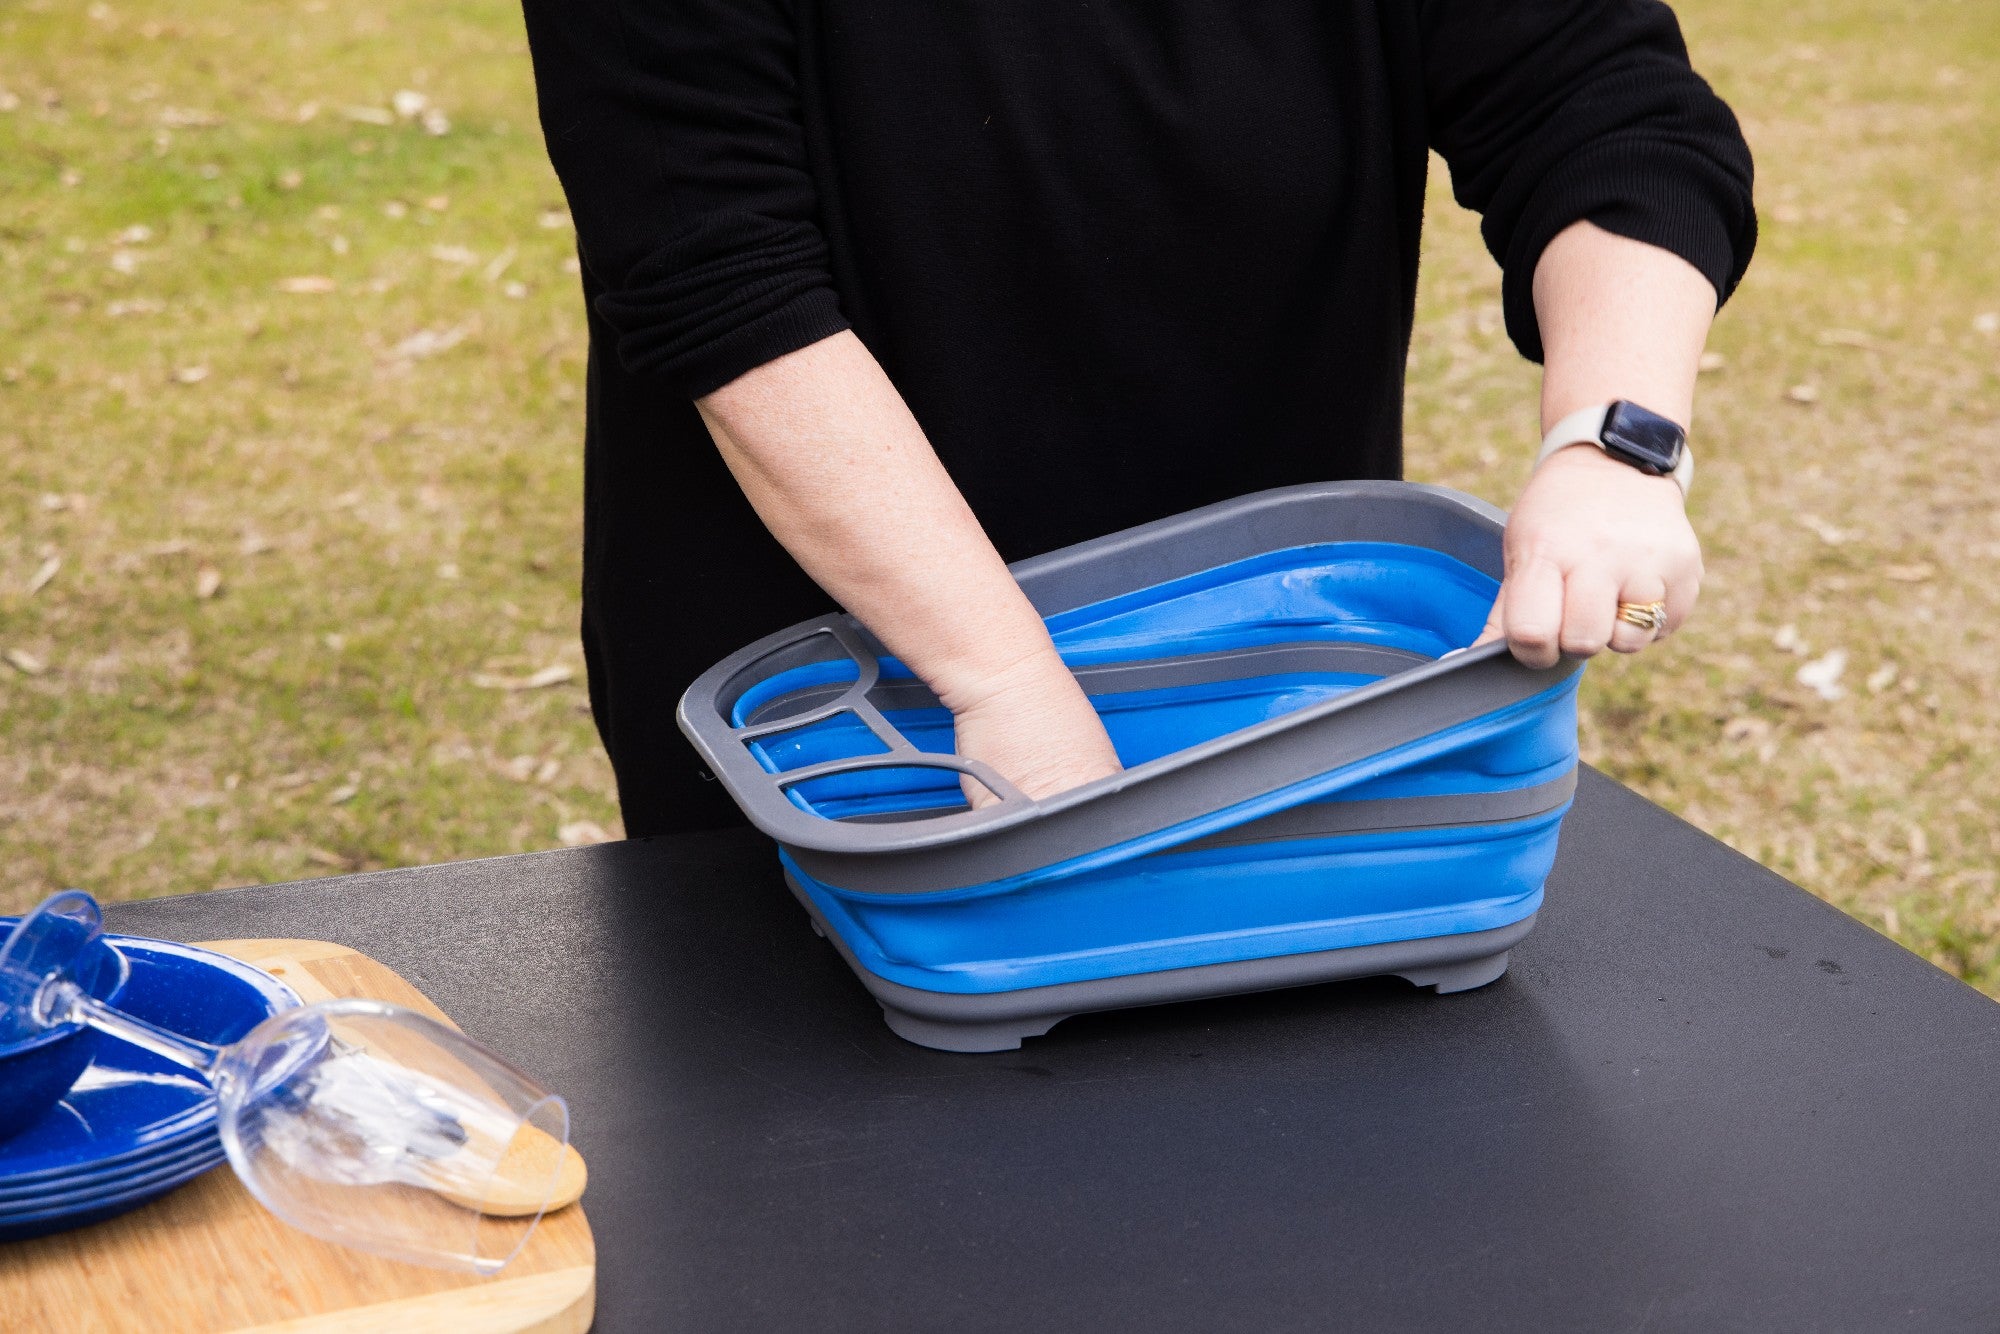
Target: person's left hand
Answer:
pixel 1588 533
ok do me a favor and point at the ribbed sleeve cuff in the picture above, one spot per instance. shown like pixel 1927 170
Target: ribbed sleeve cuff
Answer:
pixel 1666 194
pixel 722 300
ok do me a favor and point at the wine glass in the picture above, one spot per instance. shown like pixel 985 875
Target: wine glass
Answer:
pixel 360 1122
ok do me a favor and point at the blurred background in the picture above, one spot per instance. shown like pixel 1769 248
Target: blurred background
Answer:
pixel 291 362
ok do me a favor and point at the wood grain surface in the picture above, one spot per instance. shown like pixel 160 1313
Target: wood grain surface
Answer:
pixel 208 1258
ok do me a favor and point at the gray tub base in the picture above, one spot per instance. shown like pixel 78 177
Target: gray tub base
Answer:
pixel 998 1021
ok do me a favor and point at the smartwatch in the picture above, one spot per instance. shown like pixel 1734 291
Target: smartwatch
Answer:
pixel 1645 440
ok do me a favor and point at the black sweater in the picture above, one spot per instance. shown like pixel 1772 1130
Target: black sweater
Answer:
pixel 1121 257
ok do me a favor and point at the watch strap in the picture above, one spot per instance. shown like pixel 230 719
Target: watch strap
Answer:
pixel 1585 426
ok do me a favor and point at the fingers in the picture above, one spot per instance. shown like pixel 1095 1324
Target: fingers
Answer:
pixel 1590 609
pixel 1531 608
pixel 1683 588
pixel 1544 613
pixel 1625 636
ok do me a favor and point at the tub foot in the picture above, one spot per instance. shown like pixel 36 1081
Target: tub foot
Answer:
pixel 1005 1035
pixel 1463 976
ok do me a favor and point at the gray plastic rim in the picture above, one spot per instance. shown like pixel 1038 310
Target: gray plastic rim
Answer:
pixel 1017 835
pixel 1001 1020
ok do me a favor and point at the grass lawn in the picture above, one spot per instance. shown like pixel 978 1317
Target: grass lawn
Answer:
pixel 290 367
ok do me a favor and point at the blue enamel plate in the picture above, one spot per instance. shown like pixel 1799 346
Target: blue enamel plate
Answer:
pixel 131 1110
pixel 77 1213
pixel 145 1169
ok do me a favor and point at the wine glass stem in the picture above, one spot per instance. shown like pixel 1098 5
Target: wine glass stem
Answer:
pixel 66 1001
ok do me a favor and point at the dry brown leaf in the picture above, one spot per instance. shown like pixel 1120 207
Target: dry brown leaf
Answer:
pixel 1915 573
pixel 581 833
pixel 1803 393
pixel 1821 529
pixel 43 573
pixel 191 374
pixel 343 794
pixel 253 544
pixel 24 662
pixel 547 772
pixel 409 103
pixel 548 676
pixel 395 208
pixel 207 582
pixel 322 857
pixel 437 203
pixel 53 502
pixel 1882 678
pixel 454 254
pixel 311 284
pixel 1742 729
pixel 369 115
pixel 1711 362
pixel 435 123
pixel 291 178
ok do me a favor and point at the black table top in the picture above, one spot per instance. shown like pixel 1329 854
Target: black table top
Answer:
pixel 1701 1100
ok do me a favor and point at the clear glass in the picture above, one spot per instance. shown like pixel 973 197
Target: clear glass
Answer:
pixel 377 1127
pixel 360 1122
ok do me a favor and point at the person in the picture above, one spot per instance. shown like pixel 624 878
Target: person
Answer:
pixel 885 293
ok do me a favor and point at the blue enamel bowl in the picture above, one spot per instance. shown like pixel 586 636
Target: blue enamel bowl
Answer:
pixel 36 1071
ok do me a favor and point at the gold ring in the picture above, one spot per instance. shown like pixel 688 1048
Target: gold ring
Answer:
pixel 1646 615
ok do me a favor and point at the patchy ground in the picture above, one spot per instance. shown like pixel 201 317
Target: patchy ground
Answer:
pixel 290 360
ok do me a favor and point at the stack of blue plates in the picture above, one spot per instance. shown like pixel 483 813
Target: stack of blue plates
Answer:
pixel 135 1125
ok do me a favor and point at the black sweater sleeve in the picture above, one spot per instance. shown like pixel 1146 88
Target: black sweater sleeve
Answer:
pixel 1549 112
pixel 674 127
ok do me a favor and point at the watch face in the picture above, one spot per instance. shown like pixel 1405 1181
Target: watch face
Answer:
pixel 1646 440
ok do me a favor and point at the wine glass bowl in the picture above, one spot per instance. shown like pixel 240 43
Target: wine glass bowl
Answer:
pixel 38 1066
pixel 374 1126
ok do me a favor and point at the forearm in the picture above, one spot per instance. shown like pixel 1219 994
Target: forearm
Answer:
pixel 1620 319
pixel 841 473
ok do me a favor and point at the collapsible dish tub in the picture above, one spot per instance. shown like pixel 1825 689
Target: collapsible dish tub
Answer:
pixel 1321 780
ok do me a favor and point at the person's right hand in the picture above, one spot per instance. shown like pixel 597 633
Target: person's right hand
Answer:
pixel 1033 725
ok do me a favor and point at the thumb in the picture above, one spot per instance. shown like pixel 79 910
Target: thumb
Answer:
pixel 1496 621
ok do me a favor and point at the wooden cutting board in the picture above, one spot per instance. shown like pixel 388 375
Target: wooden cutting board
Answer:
pixel 208 1258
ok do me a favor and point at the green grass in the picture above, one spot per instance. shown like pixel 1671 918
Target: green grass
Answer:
pixel 386 478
